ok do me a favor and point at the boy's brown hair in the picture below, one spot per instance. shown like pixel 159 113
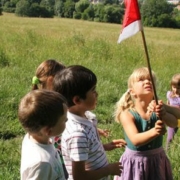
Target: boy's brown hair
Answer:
pixel 40 108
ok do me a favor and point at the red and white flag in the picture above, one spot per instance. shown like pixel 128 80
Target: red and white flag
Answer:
pixel 132 20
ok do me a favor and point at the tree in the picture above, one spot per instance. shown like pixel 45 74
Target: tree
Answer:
pixel 99 12
pixel 69 8
pixel 59 8
pixel 35 10
pixel 81 5
pixel 23 8
pixel 0 9
pixel 9 6
pixel 155 12
pixel 90 12
pixel 47 7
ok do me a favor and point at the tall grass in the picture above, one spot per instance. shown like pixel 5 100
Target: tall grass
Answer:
pixel 26 42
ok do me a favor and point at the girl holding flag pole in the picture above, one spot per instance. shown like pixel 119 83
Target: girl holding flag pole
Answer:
pixel 144 157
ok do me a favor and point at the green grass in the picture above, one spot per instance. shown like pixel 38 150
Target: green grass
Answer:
pixel 26 42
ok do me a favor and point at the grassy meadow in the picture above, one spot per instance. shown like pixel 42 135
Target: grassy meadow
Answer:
pixel 26 42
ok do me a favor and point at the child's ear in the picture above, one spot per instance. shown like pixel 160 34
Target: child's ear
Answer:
pixel 49 82
pixel 76 99
pixel 47 131
pixel 131 92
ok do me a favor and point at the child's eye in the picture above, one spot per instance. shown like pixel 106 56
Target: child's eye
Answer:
pixel 140 79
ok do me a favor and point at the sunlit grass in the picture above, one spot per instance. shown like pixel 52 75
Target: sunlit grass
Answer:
pixel 26 42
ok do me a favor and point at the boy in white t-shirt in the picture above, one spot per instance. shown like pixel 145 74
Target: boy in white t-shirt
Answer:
pixel 84 154
pixel 42 114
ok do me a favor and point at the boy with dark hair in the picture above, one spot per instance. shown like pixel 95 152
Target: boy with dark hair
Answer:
pixel 42 114
pixel 82 150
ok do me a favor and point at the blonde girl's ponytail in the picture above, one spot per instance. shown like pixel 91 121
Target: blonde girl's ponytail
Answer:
pixel 125 102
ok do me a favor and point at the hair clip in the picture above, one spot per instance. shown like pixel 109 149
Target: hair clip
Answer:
pixel 35 80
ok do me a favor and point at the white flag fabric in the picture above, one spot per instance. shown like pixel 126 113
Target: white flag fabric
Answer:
pixel 132 20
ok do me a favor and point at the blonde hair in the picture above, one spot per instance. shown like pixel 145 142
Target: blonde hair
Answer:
pixel 127 101
pixel 175 81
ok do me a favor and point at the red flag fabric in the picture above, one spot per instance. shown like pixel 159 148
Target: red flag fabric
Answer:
pixel 132 20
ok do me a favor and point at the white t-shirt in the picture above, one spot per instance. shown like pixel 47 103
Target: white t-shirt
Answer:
pixel 80 142
pixel 40 161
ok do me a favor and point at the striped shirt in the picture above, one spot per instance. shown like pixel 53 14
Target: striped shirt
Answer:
pixel 80 142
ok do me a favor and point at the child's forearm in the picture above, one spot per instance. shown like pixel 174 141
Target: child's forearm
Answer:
pixel 143 138
pixel 173 110
pixel 170 120
pixel 110 169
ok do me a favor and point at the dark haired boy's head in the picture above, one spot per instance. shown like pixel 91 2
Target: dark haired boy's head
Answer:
pixel 41 108
pixel 73 81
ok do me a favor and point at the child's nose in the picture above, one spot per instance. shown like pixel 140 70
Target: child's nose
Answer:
pixel 147 81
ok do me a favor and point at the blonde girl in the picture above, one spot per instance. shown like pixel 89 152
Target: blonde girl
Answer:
pixel 144 157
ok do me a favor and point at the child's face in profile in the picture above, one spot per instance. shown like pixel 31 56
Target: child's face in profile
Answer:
pixel 176 89
pixel 91 99
pixel 61 123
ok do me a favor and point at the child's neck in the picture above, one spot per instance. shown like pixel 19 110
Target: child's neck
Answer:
pixel 37 138
pixel 77 111
pixel 141 108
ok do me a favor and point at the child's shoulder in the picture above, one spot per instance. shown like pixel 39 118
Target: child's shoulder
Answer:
pixel 168 94
pixel 126 114
pixel 90 115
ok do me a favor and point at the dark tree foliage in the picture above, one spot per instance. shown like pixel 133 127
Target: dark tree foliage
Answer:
pixel 1 9
pixel 82 5
pixel 9 6
pixel 23 8
pixel 98 12
pixel 112 13
pixel 30 8
pixel 157 13
pixel 88 13
pixel 69 8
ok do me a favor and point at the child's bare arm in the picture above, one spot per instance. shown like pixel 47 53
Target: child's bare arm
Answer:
pixel 136 137
pixel 117 143
pixel 79 172
pixel 103 132
pixel 173 110
pixel 162 110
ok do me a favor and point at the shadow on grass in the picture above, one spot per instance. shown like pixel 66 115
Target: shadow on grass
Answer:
pixel 7 135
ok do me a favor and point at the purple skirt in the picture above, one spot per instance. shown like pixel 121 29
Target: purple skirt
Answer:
pixel 145 165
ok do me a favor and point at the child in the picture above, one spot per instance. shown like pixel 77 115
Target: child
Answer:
pixel 82 150
pixel 43 80
pixel 42 114
pixel 45 74
pixel 144 157
pixel 173 99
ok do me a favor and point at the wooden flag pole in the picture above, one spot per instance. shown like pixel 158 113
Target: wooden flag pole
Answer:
pixel 149 66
